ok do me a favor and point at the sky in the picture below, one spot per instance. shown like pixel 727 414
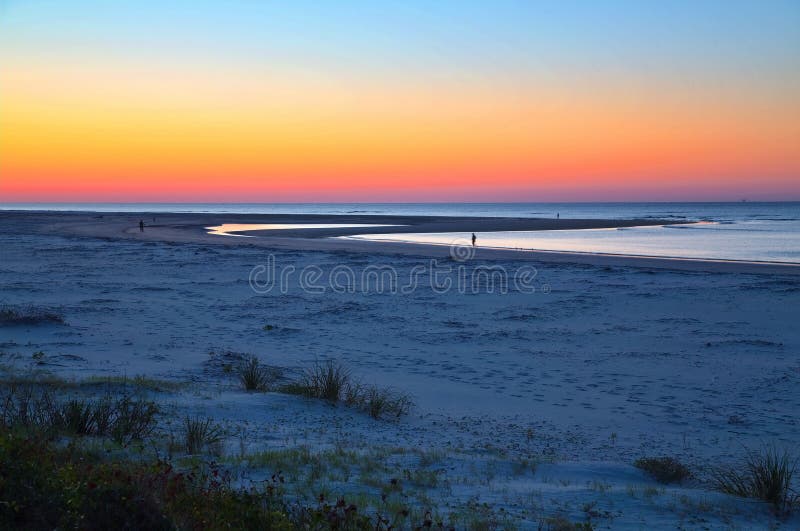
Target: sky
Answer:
pixel 532 100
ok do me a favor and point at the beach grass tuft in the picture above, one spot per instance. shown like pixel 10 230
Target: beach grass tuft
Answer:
pixel 34 409
pixel 764 475
pixel 202 435
pixel 326 380
pixel 333 381
pixel 664 469
pixel 254 376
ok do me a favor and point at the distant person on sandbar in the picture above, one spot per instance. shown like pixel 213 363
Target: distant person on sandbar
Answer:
pixel 558 215
pixel 141 225
pixel 473 239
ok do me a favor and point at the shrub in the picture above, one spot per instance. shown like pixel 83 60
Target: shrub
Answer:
pixel 253 375
pixel 200 434
pixel 46 487
pixel 78 417
pixel 663 469
pixel 134 420
pixel 28 407
pixel 765 475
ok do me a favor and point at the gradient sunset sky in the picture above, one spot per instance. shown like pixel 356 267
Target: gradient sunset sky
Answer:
pixel 420 100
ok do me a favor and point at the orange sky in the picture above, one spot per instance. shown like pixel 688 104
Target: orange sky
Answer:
pixel 87 128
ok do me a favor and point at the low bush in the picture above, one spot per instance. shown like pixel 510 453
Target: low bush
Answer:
pixel 43 487
pixel 764 475
pixel 664 469
pixel 46 486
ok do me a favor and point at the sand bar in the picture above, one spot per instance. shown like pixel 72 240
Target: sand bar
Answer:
pixel 192 228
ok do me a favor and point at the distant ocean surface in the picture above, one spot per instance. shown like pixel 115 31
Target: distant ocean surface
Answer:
pixel 753 231
pixel 727 212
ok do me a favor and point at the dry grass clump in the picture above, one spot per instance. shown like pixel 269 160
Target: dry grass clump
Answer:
pixel 254 376
pixel 663 469
pixel 202 435
pixel 35 409
pixel 378 402
pixel 28 315
pixel 764 475
pixel 333 381
pixel 328 381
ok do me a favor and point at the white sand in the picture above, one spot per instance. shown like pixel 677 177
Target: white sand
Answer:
pixel 598 367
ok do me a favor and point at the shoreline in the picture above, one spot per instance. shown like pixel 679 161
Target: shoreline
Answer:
pixel 191 228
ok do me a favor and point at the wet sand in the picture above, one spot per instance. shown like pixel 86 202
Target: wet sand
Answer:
pixel 191 228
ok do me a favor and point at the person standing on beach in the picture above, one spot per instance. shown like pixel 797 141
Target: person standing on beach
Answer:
pixel 141 225
pixel 473 239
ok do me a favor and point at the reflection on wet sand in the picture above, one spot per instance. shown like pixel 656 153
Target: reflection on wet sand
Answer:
pixel 228 229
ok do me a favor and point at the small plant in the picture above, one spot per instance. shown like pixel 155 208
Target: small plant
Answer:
pixel 78 417
pixel 202 434
pixel 765 475
pixel 379 402
pixel 133 420
pixel 663 469
pixel 332 381
pixel 327 380
pixel 254 376
pixel 34 409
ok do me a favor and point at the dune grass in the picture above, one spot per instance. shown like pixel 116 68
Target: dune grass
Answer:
pixel 202 435
pixel 254 376
pixel 333 381
pixel 36 408
pixel 764 475
pixel 326 380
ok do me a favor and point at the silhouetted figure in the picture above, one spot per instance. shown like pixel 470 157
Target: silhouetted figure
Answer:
pixel 141 225
pixel 473 239
pixel 558 215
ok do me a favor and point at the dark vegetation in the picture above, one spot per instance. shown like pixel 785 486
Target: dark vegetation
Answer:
pixel 764 475
pixel 333 382
pixel 664 469
pixel 28 315
pixel 202 435
pixel 50 479
pixel 35 409
pixel 254 376
pixel 329 380
pixel 44 486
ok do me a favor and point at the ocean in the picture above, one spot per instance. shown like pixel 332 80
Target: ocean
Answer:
pixel 751 231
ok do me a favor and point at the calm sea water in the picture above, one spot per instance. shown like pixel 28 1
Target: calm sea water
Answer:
pixel 740 231
pixel 726 212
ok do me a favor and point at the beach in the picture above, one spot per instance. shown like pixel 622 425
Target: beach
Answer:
pixel 194 228
pixel 532 399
